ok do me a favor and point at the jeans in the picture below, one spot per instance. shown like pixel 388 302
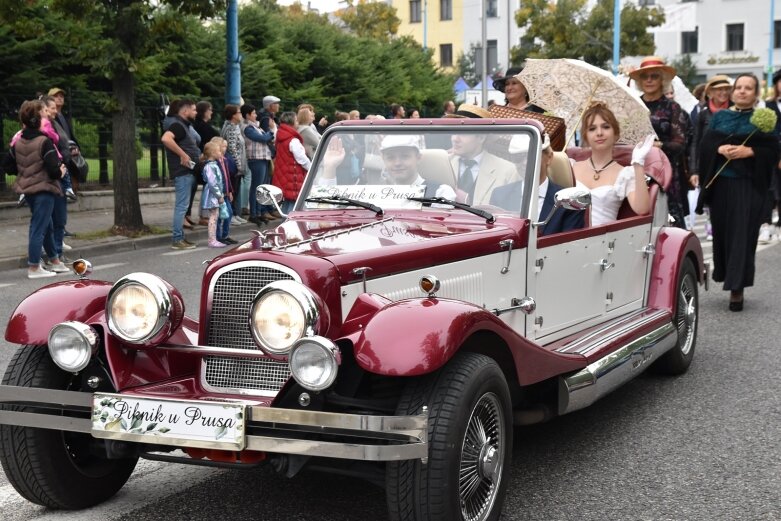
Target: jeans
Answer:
pixel 59 220
pixel 287 205
pixel 260 176
pixel 224 225
pixel 40 234
pixel 183 185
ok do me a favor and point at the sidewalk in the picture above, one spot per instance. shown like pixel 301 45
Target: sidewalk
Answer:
pixel 87 223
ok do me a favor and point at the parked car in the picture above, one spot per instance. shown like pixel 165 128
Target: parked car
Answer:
pixel 386 328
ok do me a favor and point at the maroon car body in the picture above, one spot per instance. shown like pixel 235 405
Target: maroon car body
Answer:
pixel 399 337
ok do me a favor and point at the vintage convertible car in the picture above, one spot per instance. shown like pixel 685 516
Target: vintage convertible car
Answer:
pixel 386 329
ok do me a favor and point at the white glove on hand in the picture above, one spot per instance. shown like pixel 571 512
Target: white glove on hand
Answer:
pixel 642 149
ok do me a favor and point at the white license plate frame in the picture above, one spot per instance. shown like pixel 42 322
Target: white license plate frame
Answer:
pixel 183 423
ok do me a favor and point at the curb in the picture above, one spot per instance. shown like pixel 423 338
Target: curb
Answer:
pixel 115 246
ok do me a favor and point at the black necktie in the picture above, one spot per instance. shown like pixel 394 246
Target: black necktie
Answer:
pixel 466 182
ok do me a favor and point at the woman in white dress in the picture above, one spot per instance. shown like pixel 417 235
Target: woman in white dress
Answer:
pixel 609 182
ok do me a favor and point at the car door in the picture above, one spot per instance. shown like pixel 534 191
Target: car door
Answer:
pixel 567 281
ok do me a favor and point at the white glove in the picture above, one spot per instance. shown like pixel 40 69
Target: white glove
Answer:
pixel 642 149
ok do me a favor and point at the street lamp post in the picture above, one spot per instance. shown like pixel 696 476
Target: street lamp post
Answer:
pixel 617 35
pixel 484 53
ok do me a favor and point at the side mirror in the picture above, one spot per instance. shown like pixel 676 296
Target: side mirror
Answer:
pixel 270 195
pixel 574 198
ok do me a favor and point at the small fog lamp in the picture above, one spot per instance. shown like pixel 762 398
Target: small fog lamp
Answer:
pixel 82 267
pixel 429 284
pixel 71 345
pixel 314 362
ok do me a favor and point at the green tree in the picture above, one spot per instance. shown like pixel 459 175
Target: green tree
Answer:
pixel 118 40
pixel 370 19
pixel 566 29
pixel 686 69
pixel 466 65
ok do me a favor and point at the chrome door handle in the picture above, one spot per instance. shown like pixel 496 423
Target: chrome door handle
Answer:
pixel 605 265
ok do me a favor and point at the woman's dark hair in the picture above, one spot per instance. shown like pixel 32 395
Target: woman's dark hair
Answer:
pixel 200 109
pixel 30 113
pixel 173 108
pixel 601 110
pixel 246 110
pixel 229 111
pixel 749 75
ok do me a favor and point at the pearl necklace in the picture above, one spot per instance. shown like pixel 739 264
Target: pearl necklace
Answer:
pixel 598 171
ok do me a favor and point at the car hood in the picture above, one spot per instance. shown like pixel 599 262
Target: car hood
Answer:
pixel 390 244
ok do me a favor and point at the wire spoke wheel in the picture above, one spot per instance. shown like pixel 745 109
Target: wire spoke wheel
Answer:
pixel 686 314
pixel 482 453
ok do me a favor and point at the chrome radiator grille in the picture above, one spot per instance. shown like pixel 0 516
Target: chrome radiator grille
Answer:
pixel 232 293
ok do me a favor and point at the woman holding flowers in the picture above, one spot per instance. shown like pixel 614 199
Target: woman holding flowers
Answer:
pixel 737 156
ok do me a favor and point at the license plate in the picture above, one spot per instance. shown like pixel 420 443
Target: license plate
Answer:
pixel 185 423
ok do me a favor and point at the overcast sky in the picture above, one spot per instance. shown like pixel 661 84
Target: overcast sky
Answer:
pixel 324 6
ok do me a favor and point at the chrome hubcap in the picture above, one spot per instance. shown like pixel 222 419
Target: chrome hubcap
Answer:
pixel 482 453
pixel 686 316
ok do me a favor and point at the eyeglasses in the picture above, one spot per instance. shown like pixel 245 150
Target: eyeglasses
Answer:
pixel 650 76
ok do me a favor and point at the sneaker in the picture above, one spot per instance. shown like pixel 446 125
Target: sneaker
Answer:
pixel 57 267
pixel 228 240
pixel 65 247
pixel 235 221
pixel 268 216
pixel 764 234
pixel 242 220
pixel 67 234
pixel 708 231
pixel 216 244
pixel 193 244
pixel 182 245
pixel 21 202
pixel 275 214
pixel 39 273
pixel 71 195
pixel 244 211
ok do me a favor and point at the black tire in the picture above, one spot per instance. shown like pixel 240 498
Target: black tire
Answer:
pixel 470 421
pixel 51 468
pixel 678 359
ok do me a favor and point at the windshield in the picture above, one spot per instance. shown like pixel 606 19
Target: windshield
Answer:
pixel 479 165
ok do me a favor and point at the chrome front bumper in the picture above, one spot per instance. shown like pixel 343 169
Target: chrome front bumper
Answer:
pixel 366 437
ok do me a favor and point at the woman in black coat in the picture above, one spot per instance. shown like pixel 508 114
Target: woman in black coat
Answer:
pixel 736 162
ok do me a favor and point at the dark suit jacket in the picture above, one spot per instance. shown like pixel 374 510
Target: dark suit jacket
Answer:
pixel 509 198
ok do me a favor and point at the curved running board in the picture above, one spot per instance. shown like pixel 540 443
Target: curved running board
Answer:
pixel 612 371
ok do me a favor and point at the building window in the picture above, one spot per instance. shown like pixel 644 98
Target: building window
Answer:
pixel 777 34
pixel 493 56
pixel 646 3
pixel 446 55
pixel 491 9
pixel 445 9
pixel 689 41
pixel 414 11
pixel 734 37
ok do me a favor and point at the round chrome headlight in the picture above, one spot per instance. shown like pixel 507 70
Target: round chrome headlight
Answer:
pixel 283 312
pixel 314 363
pixel 141 309
pixel 71 345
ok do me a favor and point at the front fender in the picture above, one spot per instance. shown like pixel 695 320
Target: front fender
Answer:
pixel 34 317
pixel 417 336
pixel 672 246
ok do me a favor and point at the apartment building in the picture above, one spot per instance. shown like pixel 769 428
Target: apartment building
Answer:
pixel 450 27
